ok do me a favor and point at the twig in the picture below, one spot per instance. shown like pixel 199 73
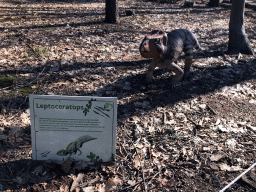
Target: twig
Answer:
pixel 132 185
pixel 124 149
pixel 145 185
pixel 135 188
pixel 164 118
pixel 30 47
pixel 232 182
pixel 212 110
pixel 142 180
pixel 8 167
pixel 155 175
pixel 248 181
pixel 39 75
pixel 128 161
pixel 196 124
pixel 7 180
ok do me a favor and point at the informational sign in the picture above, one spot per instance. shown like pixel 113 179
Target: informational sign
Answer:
pixel 83 128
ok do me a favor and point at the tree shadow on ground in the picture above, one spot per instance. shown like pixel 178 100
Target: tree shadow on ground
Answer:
pixel 54 25
pixel 23 12
pixel 26 172
pixel 141 98
pixel 203 80
pixel 160 94
pixel 15 2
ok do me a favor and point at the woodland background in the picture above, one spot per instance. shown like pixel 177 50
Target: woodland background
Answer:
pixel 198 137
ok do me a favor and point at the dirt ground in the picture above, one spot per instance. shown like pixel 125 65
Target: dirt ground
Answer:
pixel 198 137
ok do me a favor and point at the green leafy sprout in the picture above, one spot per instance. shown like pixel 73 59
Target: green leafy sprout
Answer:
pixel 94 159
pixel 6 81
pixel 88 106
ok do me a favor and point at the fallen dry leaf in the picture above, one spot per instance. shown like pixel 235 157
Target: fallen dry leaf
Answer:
pixel 76 181
pixel 112 183
pixel 66 165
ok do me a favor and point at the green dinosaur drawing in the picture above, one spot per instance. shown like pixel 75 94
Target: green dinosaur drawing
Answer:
pixel 75 146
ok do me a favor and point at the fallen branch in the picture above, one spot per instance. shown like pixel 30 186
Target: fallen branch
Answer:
pixel 145 185
pixel 236 179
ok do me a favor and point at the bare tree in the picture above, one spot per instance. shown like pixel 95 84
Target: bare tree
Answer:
pixel 238 41
pixel 213 3
pixel 111 11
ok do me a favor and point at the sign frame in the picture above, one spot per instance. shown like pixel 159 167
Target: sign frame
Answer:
pixel 80 127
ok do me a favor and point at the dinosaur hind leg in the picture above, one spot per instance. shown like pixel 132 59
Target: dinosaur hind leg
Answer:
pixel 188 60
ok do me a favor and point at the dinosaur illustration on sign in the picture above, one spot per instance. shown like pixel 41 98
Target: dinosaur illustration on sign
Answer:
pixel 75 146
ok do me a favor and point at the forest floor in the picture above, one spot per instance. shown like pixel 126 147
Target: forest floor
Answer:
pixel 198 137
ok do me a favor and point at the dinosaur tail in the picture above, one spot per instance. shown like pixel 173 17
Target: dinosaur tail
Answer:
pixel 196 44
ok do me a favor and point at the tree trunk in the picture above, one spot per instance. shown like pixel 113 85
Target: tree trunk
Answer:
pixel 238 41
pixel 213 3
pixel 111 11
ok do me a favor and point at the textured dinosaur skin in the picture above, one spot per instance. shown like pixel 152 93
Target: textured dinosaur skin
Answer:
pixel 75 146
pixel 165 49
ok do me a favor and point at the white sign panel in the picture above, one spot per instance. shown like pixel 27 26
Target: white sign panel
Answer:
pixel 83 128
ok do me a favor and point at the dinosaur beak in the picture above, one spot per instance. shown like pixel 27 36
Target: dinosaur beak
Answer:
pixel 90 139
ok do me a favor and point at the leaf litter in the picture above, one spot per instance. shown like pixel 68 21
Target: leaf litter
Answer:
pixel 197 138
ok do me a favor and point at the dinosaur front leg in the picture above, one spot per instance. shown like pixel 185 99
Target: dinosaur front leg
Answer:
pixel 151 68
pixel 168 64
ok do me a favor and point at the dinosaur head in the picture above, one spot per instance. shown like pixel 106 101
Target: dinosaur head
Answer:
pixel 154 44
pixel 62 153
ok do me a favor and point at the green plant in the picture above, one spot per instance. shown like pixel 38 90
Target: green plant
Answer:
pixel 37 52
pixel 11 19
pixel 188 12
pixel 29 90
pixel 50 28
pixel 40 51
pixel 94 159
pixel 6 81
